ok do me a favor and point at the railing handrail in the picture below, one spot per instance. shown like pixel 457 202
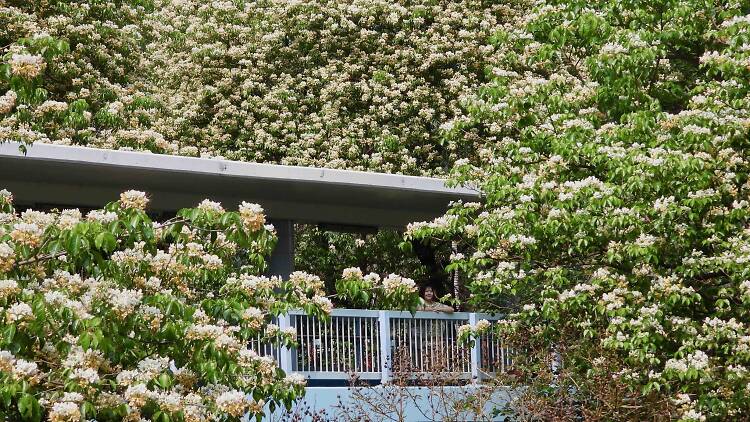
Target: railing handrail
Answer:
pixel 343 312
pixel 372 313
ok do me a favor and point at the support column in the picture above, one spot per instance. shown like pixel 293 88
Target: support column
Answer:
pixel 385 347
pixel 285 357
pixel 282 258
pixel 475 351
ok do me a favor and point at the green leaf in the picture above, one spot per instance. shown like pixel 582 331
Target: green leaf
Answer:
pixel 9 333
pixel 29 408
pixel 105 241
pixel 88 410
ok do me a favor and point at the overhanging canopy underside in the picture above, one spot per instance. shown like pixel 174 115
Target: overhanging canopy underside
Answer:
pixel 88 177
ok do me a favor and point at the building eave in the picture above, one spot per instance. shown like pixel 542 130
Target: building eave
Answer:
pixel 90 177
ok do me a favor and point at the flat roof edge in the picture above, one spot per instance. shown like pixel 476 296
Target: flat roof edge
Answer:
pixel 226 168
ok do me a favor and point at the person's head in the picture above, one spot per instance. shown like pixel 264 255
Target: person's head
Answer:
pixel 428 294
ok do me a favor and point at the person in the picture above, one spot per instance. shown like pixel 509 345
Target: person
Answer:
pixel 430 335
pixel 431 304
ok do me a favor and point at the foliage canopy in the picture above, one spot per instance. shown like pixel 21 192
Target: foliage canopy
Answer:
pixel 614 225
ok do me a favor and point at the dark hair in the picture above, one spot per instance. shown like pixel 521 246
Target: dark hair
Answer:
pixel 434 288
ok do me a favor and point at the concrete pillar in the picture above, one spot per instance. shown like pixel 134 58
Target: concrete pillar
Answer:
pixel 282 258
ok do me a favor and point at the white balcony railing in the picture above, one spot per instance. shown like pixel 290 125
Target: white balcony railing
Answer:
pixel 373 344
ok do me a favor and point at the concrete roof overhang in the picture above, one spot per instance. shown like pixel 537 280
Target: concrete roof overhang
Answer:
pixel 89 177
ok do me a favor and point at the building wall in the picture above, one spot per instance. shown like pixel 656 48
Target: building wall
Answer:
pixel 414 404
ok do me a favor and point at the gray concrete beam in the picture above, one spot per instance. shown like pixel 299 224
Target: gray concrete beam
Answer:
pixel 80 176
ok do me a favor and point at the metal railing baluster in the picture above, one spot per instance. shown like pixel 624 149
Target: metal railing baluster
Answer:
pixel 363 342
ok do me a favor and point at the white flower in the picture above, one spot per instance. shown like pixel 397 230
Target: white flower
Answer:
pixel 290 332
pixel 352 273
pixel 137 395
pixel 8 287
pixel 612 49
pixel 483 325
pixel 65 411
pixel 169 402
pixel 72 397
pixel 38 218
pixel 662 204
pixel 233 403
pixel 115 107
pixel 254 316
pixel 28 234
pixel 555 213
pixel 7 102
pixel 6 361
pixel 697 360
pixel 149 368
pixel 89 375
pixel 19 312
pixel 23 369
pixel 682 399
pixel 203 331
pixel 696 130
pixel 126 377
pixel 252 216
pixel 645 240
pixel 27 66
pixel 104 217
pixel 6 197
pixel 134 199
pixel 521 239
pixel 457 256
pixel 372 278
pixel 211 206
pixel 295 379
pixel 212 262
pixel 393 282
pixel 124 301
pixel 246 357
pixel 69 218
pixel 272 330
pixel 465 329
pixel 693 415
pixel 51 106
pixel 324 303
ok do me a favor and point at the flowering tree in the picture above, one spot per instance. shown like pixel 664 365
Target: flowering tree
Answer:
pixel 69 72
pixel 614 226
pixel 111 316
pixel 347 84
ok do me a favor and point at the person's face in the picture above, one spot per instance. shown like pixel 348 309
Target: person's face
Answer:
pixel 429 294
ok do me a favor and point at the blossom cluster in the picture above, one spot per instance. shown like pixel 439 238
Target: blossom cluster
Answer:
pixel 27 66
pixel 468 331
pixel 390 292
pixel 111 316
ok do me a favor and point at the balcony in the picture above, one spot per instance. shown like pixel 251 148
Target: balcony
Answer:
pixel 373 345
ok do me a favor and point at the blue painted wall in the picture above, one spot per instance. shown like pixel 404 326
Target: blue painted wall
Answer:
pixel 414 404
